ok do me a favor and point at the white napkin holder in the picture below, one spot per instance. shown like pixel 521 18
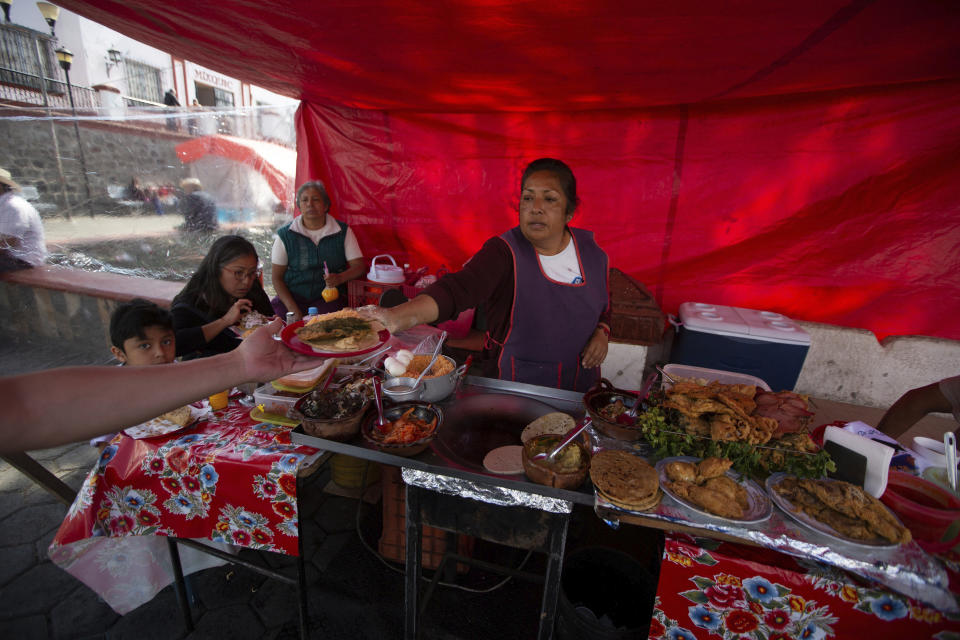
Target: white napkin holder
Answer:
pixel 878 457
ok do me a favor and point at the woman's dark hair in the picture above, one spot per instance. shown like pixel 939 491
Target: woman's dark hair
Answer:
pixel 203 290
pixel 131 319
pixel 560 169
pixel 313 184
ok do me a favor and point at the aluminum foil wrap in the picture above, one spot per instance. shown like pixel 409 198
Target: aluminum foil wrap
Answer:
pixel 906 569
pixel 483 492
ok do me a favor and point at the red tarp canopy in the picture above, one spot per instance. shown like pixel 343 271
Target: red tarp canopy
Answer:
pixel 276 163
pixel 798 157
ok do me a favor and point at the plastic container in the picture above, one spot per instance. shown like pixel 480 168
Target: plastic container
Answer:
pixel 348 471
pixel 930 512
pixel 274 401
pixel 385 273
pixel 764 344
pixel 711 375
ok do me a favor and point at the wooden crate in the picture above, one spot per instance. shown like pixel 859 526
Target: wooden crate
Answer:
pixel 635 316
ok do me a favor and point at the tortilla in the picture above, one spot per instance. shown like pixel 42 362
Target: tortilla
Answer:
pixel 624 479
pixel 182 416
pixel 504 461
pixel 556 423
pixel 340 331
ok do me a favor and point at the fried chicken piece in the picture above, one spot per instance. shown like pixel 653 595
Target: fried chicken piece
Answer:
pixel 713 501
pixel 679 471
pixel 729 488
pixel 854 502
pixel 711 468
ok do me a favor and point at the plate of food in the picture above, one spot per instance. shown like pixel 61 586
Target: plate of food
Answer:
pixel 839 510
pixel 625 480
pixel 250 322
pixel 710 488
pixel 341 334
pixel 165 424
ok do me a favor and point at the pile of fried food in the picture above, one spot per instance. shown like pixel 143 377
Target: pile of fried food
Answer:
pixel 625 480
pixel 404 430
pixel 344 330
pixel 742 413
pixel 706 485
pixel 844 507
pixel 441 367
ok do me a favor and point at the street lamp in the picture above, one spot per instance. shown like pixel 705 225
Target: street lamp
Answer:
pixel 50 13
pixel 6 9
pixel 113 58
pixel 65 58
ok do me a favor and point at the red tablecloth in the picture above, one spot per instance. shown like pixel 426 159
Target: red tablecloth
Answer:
pixel 730 591
pixel 227 479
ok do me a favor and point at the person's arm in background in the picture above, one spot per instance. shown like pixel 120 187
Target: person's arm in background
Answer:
pixel 278 268
pixel 89 401
pixel 595 351
pixel 356 266
pixel 911 407
pixel 355 269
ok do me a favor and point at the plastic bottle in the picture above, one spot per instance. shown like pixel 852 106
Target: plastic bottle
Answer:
pixel 312 311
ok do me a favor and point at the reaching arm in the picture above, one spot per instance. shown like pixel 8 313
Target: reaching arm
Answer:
pixel 421 310
pixel 57 406
pixel 911 407
pixel 283 291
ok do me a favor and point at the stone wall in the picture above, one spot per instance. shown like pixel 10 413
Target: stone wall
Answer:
pixel 113 154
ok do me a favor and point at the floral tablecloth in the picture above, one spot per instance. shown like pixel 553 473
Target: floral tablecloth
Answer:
pixel 728 591
pixel 227 479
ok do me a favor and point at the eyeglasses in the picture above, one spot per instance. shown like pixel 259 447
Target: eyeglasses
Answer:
pixel 242 275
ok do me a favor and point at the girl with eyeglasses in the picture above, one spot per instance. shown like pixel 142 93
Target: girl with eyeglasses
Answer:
pixel 224 287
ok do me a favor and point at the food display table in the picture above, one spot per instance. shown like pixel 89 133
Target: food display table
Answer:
pixel 906 571
pixel 227 479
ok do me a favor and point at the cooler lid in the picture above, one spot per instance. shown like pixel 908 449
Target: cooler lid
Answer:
pixel 741 323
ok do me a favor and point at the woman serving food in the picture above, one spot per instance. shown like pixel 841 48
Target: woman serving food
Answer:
pixel 222 300
pixel 313 257
pixel 543 285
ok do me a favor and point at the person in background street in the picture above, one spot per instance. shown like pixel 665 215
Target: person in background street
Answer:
pixel 192 126
pixel 197 206
pixel 170 100
pixel 22 242
pixel 939 397
pixel 225 287
pixel 301 249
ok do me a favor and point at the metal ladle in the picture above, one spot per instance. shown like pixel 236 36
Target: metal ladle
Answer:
pixel 436 352
pixel 378 398
pixel 571 436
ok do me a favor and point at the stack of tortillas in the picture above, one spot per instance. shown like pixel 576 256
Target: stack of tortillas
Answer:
pixel 625 480
pixel 555 423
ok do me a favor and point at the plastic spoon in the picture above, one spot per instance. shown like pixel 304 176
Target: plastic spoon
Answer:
pixel 436 352
pixel 950 451
pixel 571 436
pixel 378 397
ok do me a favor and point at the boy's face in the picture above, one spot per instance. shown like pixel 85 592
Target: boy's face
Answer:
pixel 157 346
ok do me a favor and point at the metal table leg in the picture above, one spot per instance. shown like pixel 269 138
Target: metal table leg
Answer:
pixel 551 587
pixel 412 573
pixel 39 474
pixel 178 583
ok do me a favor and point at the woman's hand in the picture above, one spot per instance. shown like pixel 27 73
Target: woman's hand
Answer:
pixel 233 314
pixel 334 279
pixel 596 350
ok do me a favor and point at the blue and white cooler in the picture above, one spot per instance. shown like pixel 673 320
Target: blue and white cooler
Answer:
pixel 764 344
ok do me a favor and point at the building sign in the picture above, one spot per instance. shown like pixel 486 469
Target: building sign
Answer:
pixel 212 79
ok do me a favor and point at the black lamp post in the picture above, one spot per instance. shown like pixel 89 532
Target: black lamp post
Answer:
pixel 6 9
pixel 65 58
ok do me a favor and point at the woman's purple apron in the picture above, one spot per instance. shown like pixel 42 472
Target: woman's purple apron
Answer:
pixel 551 321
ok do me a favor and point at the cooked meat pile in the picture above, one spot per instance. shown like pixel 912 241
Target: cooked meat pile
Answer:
pixel 787 408
pixel 846 508
pixel 706 485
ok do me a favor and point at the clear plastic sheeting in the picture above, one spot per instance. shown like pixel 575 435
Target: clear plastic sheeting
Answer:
pixel 483 492
pixel 906 569
pixel 143 190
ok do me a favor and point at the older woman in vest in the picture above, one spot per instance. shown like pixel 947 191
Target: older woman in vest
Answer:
pixel 301 249
pixel 543 285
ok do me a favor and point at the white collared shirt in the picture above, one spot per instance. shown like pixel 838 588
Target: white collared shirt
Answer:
pixel 351 247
